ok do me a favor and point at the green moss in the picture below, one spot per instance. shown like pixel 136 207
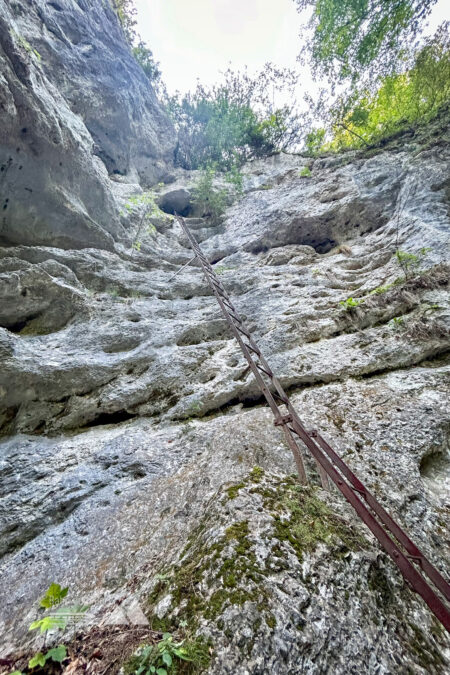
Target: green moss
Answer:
pixel 161 625
pixel 214 576
pixel 303 520
pixel 380 585
pixel 256 474
pixel 270 620
pixel 233 491
pixel 427 653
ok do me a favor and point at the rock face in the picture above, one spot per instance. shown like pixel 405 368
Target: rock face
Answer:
pixel 131 427
pixel 75 107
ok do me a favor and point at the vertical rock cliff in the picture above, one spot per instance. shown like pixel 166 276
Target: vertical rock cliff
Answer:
pixel 138 465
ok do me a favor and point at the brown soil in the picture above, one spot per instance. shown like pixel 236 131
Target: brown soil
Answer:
pixel 100 651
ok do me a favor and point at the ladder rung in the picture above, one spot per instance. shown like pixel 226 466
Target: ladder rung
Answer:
pixel 233 316
pixel 267 372
pixel 284 399
pixel 256 351
pixel 228 304
pixel 244 332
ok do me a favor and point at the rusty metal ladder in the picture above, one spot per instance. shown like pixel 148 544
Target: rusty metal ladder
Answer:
pixel 405 554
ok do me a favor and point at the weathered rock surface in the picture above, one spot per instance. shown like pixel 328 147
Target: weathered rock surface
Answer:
pixel 75 107
pixel 127 412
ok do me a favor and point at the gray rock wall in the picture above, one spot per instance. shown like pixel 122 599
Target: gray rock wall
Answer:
pixel 75 108
pixel 127 411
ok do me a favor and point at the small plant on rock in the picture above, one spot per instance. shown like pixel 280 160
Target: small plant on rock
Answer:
pixel 166 656
pixel 351 303
pixel 398 322
pixel 147 208
pixel 410 262
pixel 56 618
pixel 213 201
pixel 305 172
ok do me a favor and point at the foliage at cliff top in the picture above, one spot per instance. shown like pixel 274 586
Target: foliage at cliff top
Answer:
pixel 365 117
pixel 235 121
pixel 346 38
pixel 126 13
pixel 369 46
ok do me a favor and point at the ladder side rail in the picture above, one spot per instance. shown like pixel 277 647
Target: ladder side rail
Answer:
pixel 386 519
pixel 209 274
pixel 323 453
pixel 411 574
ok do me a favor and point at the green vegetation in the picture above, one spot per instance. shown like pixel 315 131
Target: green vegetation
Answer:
pixel 146 209
pixel 144 57
pixel 346 39
pixel 314 141
pixel 397 322
pixel 234 121
pixel 215 574
pixel 392 80
pixel 351 303
pixel 410 262
pixel 415 94
pixel 26 45
pixel 305 172
pixel 167 657
pixel 56 619
pixel 212 201
pixel 126 13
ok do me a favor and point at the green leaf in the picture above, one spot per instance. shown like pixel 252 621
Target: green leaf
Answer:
pixel 57 654
pixel 48 623
pixel 37 660
pixel 182 654
pixel 53 596
pixel 161 671
pixel 16 672
pixel 167 659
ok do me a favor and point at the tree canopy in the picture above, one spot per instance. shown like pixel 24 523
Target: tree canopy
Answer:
pixel 235 120
pixel 347 38
pixel 402 99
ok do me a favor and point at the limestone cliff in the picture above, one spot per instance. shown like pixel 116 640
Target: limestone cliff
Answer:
pixel 74 107
pixel 131 427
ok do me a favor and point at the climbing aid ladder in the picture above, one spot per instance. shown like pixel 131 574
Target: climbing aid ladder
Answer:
pixel 406 555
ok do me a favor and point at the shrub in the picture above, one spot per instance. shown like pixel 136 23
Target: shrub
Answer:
pixel 314 141
pixel 212 201
pixel 167 656
pixel 235 120
pixel 404 98
pixel 144 56
pixel 305 172
pixel 410 262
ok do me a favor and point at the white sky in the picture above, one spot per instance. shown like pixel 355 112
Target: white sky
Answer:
pixel 199 38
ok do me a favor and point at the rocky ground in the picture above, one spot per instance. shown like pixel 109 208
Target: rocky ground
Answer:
pixel 138 464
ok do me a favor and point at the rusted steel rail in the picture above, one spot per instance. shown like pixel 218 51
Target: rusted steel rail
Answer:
pixel 406 555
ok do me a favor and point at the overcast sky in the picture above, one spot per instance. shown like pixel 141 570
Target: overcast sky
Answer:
pixel 199 38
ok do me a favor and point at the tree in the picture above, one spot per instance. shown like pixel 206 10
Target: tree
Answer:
pixel 416 95
pixel 126 12
pixel 144 56
pixel 351 37
pixel 235 120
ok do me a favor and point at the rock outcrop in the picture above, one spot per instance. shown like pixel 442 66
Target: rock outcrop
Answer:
pixel 75 108
pixel 131 427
